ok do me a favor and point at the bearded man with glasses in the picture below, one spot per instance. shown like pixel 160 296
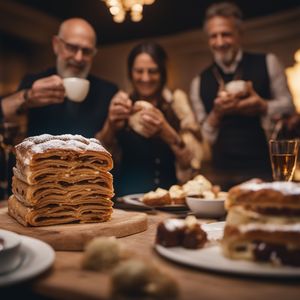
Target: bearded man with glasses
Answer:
pixel 42 95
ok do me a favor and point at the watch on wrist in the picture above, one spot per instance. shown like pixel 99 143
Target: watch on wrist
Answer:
pixel 22 108
pixel 25 95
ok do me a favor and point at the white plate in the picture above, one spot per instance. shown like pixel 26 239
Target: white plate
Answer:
pixel 37 257
pixel 211 258
pixel 135 199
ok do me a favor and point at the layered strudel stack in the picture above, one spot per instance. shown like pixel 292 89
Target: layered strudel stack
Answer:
pixel 263 223
pixel 61 179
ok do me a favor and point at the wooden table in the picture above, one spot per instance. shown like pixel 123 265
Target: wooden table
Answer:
pixel 66 280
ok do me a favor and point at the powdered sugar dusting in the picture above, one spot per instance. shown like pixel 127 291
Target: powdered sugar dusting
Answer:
pixel 44 142
pixel 270 227
pixel 173 224
pixel 287 188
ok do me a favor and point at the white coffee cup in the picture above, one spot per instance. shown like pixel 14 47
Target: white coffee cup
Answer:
pixel 76 88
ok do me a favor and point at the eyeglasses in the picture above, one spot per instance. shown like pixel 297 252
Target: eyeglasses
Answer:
pixel 73 49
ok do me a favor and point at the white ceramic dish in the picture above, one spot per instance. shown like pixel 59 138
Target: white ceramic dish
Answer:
pixel 207 208
pixel 9 251
pixel 76 88
pixel 211 258
pixel 36 257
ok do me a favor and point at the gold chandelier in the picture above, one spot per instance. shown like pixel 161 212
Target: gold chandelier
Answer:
pixel 119 8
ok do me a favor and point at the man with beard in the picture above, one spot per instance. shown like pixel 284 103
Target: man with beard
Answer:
pixel 237 122
pixel 42 95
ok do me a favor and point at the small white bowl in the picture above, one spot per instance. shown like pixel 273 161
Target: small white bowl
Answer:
pixel 10 256
pixel 207 208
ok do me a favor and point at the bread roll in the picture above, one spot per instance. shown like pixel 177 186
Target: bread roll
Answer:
pixel 238 88
pixel 158 197
pixel 135 119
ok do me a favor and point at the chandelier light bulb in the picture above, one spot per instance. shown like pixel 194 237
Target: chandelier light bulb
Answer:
pixel 112 2
pixel 149 2
pixel 136 16
pixel 137 7
pixel 114 10
pixel 119 8
pixel 120 17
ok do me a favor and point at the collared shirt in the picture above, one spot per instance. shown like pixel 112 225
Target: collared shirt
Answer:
pixel 281 102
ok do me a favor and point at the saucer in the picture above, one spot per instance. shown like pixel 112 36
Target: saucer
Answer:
pixel 36 257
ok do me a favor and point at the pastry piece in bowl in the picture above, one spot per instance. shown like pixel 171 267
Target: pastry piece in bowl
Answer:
pixel 177 194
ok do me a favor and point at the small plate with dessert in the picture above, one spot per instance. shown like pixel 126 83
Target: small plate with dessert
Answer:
pixel 207 255
pixel 260 236
pixel 176 197
pixel 153 201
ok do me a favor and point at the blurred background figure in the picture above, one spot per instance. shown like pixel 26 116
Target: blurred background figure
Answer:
pixel 236 98
pixel 149 127
pixel 42 95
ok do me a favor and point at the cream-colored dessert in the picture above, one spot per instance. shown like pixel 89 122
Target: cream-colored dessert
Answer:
pixel 263 223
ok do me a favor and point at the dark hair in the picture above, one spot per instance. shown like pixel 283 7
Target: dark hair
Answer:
pixel 157 53
pixel 224 9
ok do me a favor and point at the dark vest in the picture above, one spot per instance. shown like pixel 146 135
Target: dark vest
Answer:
pixel 241 143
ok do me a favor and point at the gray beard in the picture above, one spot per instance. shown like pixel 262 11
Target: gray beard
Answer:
pixel 64 73
pixel 226 59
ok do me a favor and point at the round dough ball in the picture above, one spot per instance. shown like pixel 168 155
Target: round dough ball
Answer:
pixel 101 253
pixel 237 87
pixel 135 119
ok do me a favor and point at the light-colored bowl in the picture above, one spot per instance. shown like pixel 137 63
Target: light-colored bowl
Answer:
pixel 206 208
pixel 10 256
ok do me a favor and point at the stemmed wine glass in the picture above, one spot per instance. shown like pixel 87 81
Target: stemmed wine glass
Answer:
pixel 283 155
pixel 8 133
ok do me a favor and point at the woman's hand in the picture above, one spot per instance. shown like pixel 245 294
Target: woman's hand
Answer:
pixel 183 155
pixel 155 123
pixel 152 120
pixel 118 114
pixel 119 110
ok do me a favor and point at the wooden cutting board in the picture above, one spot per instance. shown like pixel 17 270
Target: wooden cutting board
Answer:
pixel 73 237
